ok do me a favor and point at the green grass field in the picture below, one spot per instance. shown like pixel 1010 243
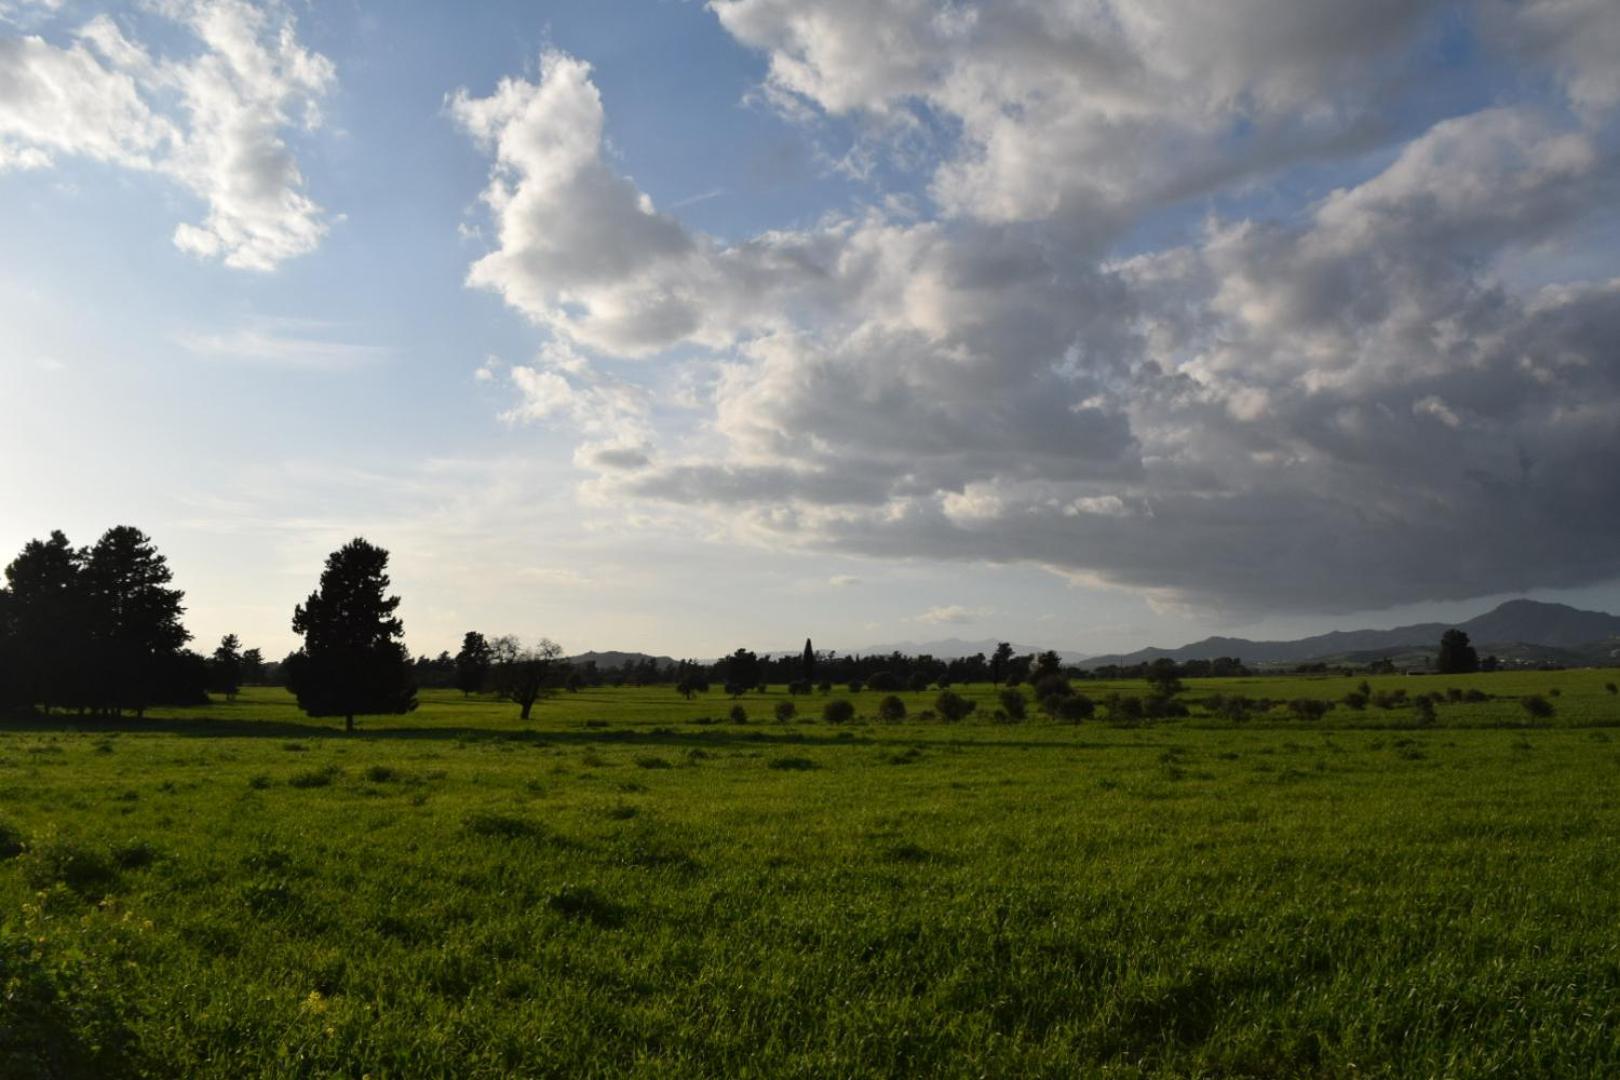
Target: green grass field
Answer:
pixel 617 890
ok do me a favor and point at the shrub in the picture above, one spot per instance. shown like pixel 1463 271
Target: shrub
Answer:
pixel 825 686
pixel 838 711
pixel 1013 703
pixel 739 715
pixel 1162 707
pixel 1389 699
pixel 856 686
pixel 952 706
pixel 1424 707
pixel 381 774
pixel 785 711
pixel 1356 700
pixel 791 764
pixel 1538 707
pixel 882 681
pixel 891 709
pixel 1074 708
pixel 1309 708
pixel 1555 692
pixel 797 688
pixel 1610 687
pixel 1476 696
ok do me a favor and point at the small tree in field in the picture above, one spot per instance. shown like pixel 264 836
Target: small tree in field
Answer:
pixel 1014 703
pixel 785 711
pixel 225 669
pixel 473 663
pixel 891 709
pixel 524 674
pixel 354 660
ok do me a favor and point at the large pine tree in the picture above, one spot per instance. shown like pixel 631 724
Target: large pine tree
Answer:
pixel 134 621
pixel 354 659
pixel 47 622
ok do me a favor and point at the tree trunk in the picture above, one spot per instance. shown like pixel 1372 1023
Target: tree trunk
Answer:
pixel 348 722
pixel 527 705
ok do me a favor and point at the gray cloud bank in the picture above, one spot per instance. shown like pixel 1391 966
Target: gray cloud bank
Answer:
pixel 1342 405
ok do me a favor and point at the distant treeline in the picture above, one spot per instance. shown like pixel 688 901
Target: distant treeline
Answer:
pixel 97 630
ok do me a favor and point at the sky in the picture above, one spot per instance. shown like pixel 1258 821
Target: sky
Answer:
pixel 678 327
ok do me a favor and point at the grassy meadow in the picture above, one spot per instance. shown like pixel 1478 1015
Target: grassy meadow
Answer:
pixel 621 888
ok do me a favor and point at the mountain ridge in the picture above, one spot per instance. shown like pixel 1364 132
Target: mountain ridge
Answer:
pixel 1514 622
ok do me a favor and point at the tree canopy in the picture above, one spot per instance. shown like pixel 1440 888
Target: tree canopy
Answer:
pixel 354 659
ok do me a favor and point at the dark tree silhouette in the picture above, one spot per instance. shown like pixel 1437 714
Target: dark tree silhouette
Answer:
pixel 807 665
pixel 253 666
pixel 472 663
pixel 1000 660
pixel 225 669
pixel 134 622
pixel 1456 656
pixel 353 660
pixel 742 672
pixel 525 675
pixel 47 618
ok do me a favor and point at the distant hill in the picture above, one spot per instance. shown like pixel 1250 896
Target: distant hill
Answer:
pixel 612 660
pixel 1517 629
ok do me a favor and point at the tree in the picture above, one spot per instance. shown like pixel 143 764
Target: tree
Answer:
pixel 524 675
pixel 354 660
pixel 1000 661
pixel 48 621
pixel 1013 703
pixel 891 709
pixel 225 668
pixel 838 711
pixel 742 672
pixel 133 618
pixel 807 664
pixel 1047 663
pixel 253 666
pixel 472 663
pixel 1164 677
pixel 785 711
pixel 1456 656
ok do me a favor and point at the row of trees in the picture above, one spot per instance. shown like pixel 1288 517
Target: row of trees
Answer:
pixel 98 629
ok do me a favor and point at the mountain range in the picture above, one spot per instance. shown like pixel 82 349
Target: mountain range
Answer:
pixel 1520 630
pixel 1516 630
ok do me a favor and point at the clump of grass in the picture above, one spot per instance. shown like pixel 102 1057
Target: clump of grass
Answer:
pixel 11 841
pixel 585 904
pixel 792 764
pixel 294 747
pixel 382 774
pixel 134 854
pixel 259 781
pixel 652 761
pixel 315 778
pixel 55 859
pixel 908 853
pixel 503 826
